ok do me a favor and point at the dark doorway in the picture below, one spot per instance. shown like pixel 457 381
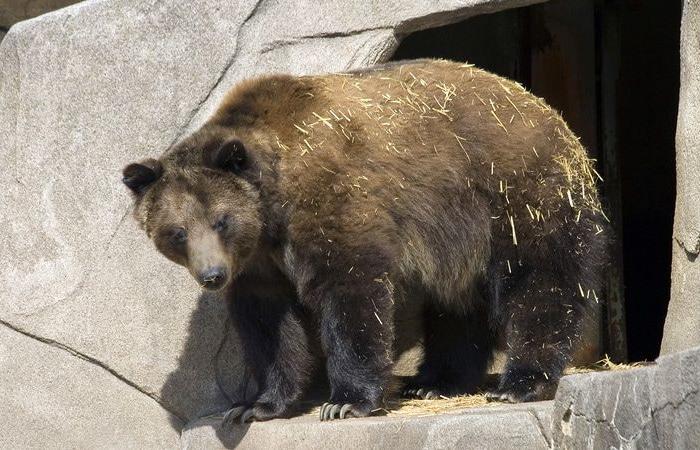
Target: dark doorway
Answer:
pixel 612 68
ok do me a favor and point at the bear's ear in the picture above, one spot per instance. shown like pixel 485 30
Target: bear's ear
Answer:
pixel 231 156
pixel 138 176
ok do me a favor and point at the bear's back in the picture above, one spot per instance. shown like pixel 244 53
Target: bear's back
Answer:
pixel 384 132
pixel 422 142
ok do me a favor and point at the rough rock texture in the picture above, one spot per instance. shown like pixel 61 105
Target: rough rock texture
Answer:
pixel 655 406
pixel 52 399
pixel 682 327
pixel 500 426
pixel 88 88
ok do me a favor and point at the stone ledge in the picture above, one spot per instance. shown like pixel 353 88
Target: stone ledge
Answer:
pixel 498 426
pixel 651 406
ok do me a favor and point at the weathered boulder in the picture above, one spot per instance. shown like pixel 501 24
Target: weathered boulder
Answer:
pixel 88 88
pixel 682 327
pixel 655 406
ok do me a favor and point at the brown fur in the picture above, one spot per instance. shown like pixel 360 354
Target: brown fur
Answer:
pixel 441 179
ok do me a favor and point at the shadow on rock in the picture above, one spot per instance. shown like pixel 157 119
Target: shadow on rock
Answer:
pixel 231 437
pixel 210 374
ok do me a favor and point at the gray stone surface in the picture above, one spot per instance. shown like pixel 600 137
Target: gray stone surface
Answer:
pixel 682 327
pixel 655 406
pixel 500 427
pixel 91 87
pixel 49 398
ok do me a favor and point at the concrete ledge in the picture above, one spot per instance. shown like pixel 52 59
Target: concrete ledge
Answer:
pixel 498 426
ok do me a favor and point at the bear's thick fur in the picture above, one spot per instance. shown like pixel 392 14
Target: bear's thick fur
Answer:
pixel 324 204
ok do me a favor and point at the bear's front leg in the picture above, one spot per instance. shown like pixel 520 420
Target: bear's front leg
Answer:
pixel 352 296
pixel 275 347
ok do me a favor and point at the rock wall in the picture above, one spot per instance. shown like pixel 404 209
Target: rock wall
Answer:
pixel 656 406
pixel 682 327
pixel 97 322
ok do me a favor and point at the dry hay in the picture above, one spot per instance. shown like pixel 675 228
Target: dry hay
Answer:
pixel 605 364
pixel 410 407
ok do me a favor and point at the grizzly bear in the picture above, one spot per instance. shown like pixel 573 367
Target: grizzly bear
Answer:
pixel 324 205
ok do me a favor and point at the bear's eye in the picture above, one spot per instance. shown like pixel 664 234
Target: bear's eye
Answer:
pixel 178 236
pixel 221 224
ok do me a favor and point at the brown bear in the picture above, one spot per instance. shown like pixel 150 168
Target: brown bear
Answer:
pixel 326 204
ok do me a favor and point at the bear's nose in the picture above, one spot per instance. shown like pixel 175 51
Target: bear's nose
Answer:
pixel 213 278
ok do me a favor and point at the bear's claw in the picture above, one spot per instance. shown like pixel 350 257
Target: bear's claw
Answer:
pixel 522 392
pixel 233 413
pixel 422 393
pixel 332 411
pixel 249 413
pixel 509 396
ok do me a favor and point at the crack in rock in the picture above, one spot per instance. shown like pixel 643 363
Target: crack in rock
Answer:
pixel 222 74
pixel 606 422
pixel 651 413
pixel 95 362
pixel 691 253
pixel 540 427
pixel 648 419
pixel 281 43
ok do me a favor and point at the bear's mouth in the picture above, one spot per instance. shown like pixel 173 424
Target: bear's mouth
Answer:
pixel 213 287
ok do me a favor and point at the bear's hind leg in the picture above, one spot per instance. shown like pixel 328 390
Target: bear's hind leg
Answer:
pixel 458 348
pixel 543 320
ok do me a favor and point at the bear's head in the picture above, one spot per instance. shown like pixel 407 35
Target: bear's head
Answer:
pixel 204 217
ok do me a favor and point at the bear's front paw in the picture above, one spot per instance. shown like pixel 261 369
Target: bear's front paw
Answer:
pixel 521 394
pixel 251 412
pixel 523 386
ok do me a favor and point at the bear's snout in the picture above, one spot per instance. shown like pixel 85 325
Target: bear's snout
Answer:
pixel 213 278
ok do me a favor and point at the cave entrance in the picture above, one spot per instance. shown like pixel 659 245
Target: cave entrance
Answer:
pixel 611 67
